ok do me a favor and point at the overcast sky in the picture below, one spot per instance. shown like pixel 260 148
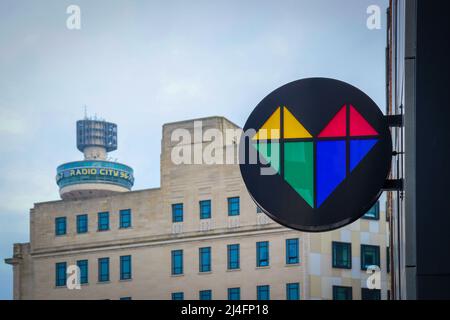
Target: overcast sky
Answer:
pixel 141 64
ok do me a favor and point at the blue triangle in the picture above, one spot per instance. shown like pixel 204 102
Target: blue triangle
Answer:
pixel 331 168
pixel 359 149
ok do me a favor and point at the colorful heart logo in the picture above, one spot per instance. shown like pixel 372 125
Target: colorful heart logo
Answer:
pixel 315 166
pixel 315 154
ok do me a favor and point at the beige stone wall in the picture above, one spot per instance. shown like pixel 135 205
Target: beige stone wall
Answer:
pixel 146 210
pixel 152 277
pixel 323 276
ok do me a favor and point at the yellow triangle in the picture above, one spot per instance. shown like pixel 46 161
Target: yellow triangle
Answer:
pixel 293 128
pixel 271 128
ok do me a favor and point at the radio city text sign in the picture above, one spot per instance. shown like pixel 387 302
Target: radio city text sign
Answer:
pixel 88 171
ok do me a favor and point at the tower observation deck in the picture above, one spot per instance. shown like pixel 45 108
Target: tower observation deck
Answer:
pixel 94 176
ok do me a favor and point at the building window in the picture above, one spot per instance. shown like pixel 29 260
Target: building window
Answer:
pixel 103 221
pixel 125 267
pixel 82 223
pixel 234 293
pixel 263 292
pixel 262 254
pixel 177 295
pixel 125 298
pixel 373 213
pixel 292 251
pixel 342 255
pixel 125 218
pixel 103 269
pixel 60 279
pixel 293 291
pixel 233 206
pixel 258 209
pixel 60 226
pixel 342 293
pixel 205 259
pixel 370 294
pixel 205 295
pixel 370 256
pixel 233 256
pixel 205 209
pixel 177 262
pixel 388 259
pixel 84 271
pixel 177 212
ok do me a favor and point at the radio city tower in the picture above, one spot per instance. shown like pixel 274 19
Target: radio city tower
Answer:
pixel 95 176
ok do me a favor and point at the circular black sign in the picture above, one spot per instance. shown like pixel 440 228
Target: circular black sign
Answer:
pixel 315 154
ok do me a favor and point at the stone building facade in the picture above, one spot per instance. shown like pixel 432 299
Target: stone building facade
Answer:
pixel 179 241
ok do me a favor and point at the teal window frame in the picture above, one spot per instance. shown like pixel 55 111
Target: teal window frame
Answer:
pixel 125 219
pixel 103 270
pixel 341 255
pixel 177 262
pixel 233 256
pixel 370 294
pixel 205 209
pixel 177 212
pixel 125 267
pixel 234 293
pixel 60 226
pixel 367 249
pixel 82 223
pixel 204 259
pixel 60 274
pixel 342 293
pixel 292 251
pixel 205 295
pixel 177 295
pixel 262 254
pixel 373 213
pixel 293 291
pixel 84 271
pixel 103 221
pixel 263 292
pixel 234 206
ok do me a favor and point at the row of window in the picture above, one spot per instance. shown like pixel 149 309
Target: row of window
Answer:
pixel 262 293
pixel 102 222
pixel 262 254
pixel 292 293
pixel 205 209
pixel 341 258
pixel 233 256
pixel 103 270
pixel 177 216
pixel 370 255
pixel 346 293
pixel 234 210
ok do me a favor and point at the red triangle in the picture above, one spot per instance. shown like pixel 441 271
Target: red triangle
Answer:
pixel 359 126
pixel 337 126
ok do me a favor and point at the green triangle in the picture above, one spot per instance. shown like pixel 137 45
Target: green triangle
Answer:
pixel 299 169
pixel 270 151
